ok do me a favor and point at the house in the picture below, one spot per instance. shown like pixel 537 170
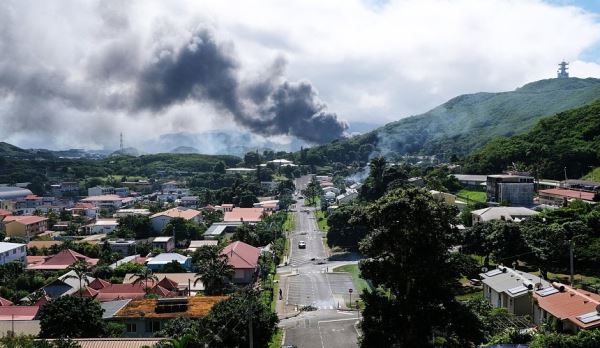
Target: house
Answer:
pixel 105 291
pixel 60 261
pixel 218 229
pixel 240 170
pixel 504 287
pixel 249 215
pixel 517 190
pixel 5 302
pixel 269 185
pixel 195 244
pixel 160 220
pixel 558 196
pixel 225 207
pixel 109 202
pixel 581 185
pixel 470 180
pixel 122 246
pixel 24 226
pixel 88 210
pixel 189 201
pixel 19 320
pixel 348 196
pixel 66 284
pixel 157 262
pixel 335 190
pixel 41 244
pixel 448 198
pixel 102 226
pixel 169 186
pixel 101 191
pixel 516 214
pixel 144 317
pixel 185 282
pixel 575 308
pixel 330 196
pixel 278 163
pixel 13 252
pixel 268 205
pixel 416 181
pixel 137 259
pixel 140 185
pixel 128 212
pixel 244 259
pixel 166 244
pixel 65 188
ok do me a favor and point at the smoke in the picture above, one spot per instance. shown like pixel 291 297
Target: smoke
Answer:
pixel 203 70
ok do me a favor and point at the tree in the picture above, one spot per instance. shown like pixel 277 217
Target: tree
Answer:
pixel 251 159
pixel 213 270
pixel 140 225
pixel 410 236
pixel 145 276
pixel 71 317
pixel 180 327
pixel 227 323
pixel 81 269
pixel 219 168
pixel 173 267
pixel 346 226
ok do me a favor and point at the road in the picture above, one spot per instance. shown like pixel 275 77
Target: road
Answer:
pixel 309 281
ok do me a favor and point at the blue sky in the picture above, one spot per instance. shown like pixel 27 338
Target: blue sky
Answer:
pixel 592 54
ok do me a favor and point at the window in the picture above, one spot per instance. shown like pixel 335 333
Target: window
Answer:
pixel 130 327
pixel 14 251
pixel 152 326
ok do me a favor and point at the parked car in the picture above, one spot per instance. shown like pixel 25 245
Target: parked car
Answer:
pixel 301 244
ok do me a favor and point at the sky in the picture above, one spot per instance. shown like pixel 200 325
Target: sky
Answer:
pixel 75 74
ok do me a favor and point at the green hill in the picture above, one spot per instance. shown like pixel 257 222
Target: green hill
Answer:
pixel 569 139
pixel 8 150
pixel 466 122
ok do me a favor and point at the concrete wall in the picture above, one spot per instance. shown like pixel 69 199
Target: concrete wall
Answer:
pixel 19 327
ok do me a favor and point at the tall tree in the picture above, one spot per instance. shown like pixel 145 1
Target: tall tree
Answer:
pixel 213 270
pixel 80 270
pixel 145 276
pixel 407 257
pixel 71 317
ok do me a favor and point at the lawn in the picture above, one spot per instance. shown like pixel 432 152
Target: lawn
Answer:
pixel 321 220
pixel 360 283
pixel 275 293
pixel 594 175
pixel 276 339
pixel 290 222
pixel 469 195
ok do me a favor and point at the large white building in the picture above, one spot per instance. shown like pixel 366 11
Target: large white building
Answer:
pixel 13 252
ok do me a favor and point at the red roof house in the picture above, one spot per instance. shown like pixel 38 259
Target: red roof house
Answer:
pixel 576 308
pixel 62 260
pixel 244 259
pixel 18 312
pixel 4 302
pixel 244 215
pixel 104 291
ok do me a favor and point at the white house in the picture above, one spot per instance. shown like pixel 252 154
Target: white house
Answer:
pixel 516 214
pixel 102 226
pixel 166 244
pixel 13 252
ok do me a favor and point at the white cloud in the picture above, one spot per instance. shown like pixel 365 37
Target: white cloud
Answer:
pixel 369 63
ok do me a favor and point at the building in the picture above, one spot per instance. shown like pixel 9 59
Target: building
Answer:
pixel 187 283
pixel 244 260
pixel 516 214
pixel 166 244
pixel 559 196
pixel 471 180
pixel 225 207
pixel 102 226
pixel 104 291
pixel 63 260
pixel 128 212
pixel 189 201
pixel 576 309
pixel 249 215
pixel 581 185
pixel 140 185
pixel 160 220
pixel 504 287
pixel 13 252
pixel 516 190
pixel 241 171
pixel 278 163
pixel 65 285
pixel 12 193
pixel 169 186
pixel 268 205
pixel 218 229
pixel 25 226
pixel 109 202
pixel 122 246
pixel 269 185
pixel 65 188
pixel 101 191
pixel 88 210
pixel 116 342
pixel 195 244
pixel 145 317
pixel 448 198
pixel 157 262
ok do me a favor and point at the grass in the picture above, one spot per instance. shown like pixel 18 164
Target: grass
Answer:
pixel 594 175
pixel 360 283
pixel 276 339
pixel 321 220
pixel 290 222
pixel 469 195
pixel 275 293
pixel 468 296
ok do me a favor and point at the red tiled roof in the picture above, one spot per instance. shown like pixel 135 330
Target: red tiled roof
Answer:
pixel 25 219
pixel 569 304
pixel 570 194
pixel 62 260
pixel 83 205
pixel 42 301
pixel 168 284
pixel 32 197
pixel 18 312
pixel 241 255
pixel 178 212
pixel 244 214
pixel 112 292
pixel 4 212
pixel 4 302
pixel 98 283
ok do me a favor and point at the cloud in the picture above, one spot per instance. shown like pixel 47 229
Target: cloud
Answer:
pixel 150 67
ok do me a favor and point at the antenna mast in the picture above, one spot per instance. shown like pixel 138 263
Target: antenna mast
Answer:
pixel 121 147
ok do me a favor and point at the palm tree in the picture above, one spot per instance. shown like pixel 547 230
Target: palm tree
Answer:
pixel 143 276
pixel 213 270
pixel 81 270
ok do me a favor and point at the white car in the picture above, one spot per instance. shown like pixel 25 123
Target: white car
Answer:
pixel 301 244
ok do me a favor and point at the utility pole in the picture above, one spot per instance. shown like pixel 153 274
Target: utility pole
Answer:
pixel 251 334
pixel 571 260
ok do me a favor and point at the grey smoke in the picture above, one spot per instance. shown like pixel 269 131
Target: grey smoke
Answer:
pixel 204 70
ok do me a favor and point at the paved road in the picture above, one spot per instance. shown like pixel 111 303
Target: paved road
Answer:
pixel 312 284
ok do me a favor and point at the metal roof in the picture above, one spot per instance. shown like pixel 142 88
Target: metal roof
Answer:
pixel 112 307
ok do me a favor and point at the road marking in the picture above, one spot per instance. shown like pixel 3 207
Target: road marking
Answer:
pixel 335 320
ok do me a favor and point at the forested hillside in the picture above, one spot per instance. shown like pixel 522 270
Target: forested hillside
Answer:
pixel 568 139
pixel 464 123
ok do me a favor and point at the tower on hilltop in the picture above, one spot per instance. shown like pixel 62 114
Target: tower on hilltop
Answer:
pixel 121 147
pixel 562 72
